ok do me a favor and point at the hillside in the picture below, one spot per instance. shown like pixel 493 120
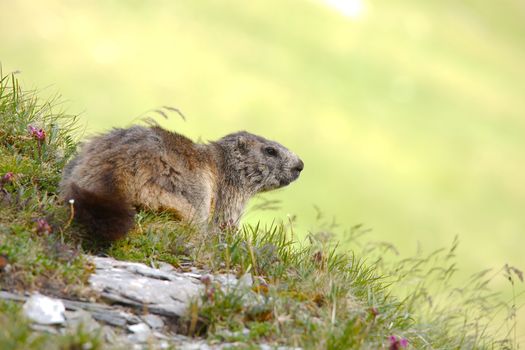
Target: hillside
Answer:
pixel 302 293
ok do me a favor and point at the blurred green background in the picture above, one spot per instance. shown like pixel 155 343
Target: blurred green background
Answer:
pixel 409 115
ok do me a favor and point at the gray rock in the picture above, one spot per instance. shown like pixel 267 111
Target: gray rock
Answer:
pixel 227 281
pixel 44 328
pixel 154 321
pixel 245 282
pixel 116 318
pixel 140 286
pixel 11 296
pixel 44 310
pixel 113 316
pixel 141 333
pixel 165 267
pixel 273 347
pixel 81 319
pixel 194 275
pixel 108 334
pixel 160 335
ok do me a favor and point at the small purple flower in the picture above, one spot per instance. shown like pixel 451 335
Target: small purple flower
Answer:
pixel 397 343
pixel 392 339
pixel 7 177
pixel 38 134
pixel 31 129
pixel 42 226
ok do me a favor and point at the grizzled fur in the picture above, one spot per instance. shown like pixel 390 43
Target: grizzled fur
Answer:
pixel 152 168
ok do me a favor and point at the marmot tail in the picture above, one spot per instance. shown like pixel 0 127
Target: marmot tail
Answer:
pixel 108 216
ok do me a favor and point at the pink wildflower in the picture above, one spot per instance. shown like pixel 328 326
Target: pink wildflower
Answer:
pixel 31 129
pixel 39 134
pixel 397 343
pixel 42 226
pixel 7 177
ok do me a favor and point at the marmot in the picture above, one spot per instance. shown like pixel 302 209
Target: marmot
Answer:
pixel 153 168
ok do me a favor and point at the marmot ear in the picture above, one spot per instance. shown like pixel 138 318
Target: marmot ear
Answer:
pixel 242 144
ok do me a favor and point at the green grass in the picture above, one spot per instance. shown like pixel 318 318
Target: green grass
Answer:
pixel 37 247
pixel 33 225
pixel 310 292
pixel 314 295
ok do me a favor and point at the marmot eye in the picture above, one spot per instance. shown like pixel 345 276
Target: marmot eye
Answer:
pixel 270 151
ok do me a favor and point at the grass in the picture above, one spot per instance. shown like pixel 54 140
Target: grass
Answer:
pixel 37 248
pixel 412 115
pixel 33 225
pixel 314 295
pixel 308 292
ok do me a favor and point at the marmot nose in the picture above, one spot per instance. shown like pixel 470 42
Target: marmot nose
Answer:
pixel 299 167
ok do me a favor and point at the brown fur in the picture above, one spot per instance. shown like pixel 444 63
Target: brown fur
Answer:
pixel 152 168
pixel 110 216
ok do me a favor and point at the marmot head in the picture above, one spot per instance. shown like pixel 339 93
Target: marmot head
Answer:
pixel 260 164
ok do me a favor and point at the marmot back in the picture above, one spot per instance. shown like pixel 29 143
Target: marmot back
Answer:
pixel 152 168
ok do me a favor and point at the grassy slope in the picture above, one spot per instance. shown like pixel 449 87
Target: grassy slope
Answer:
pixel 311 293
